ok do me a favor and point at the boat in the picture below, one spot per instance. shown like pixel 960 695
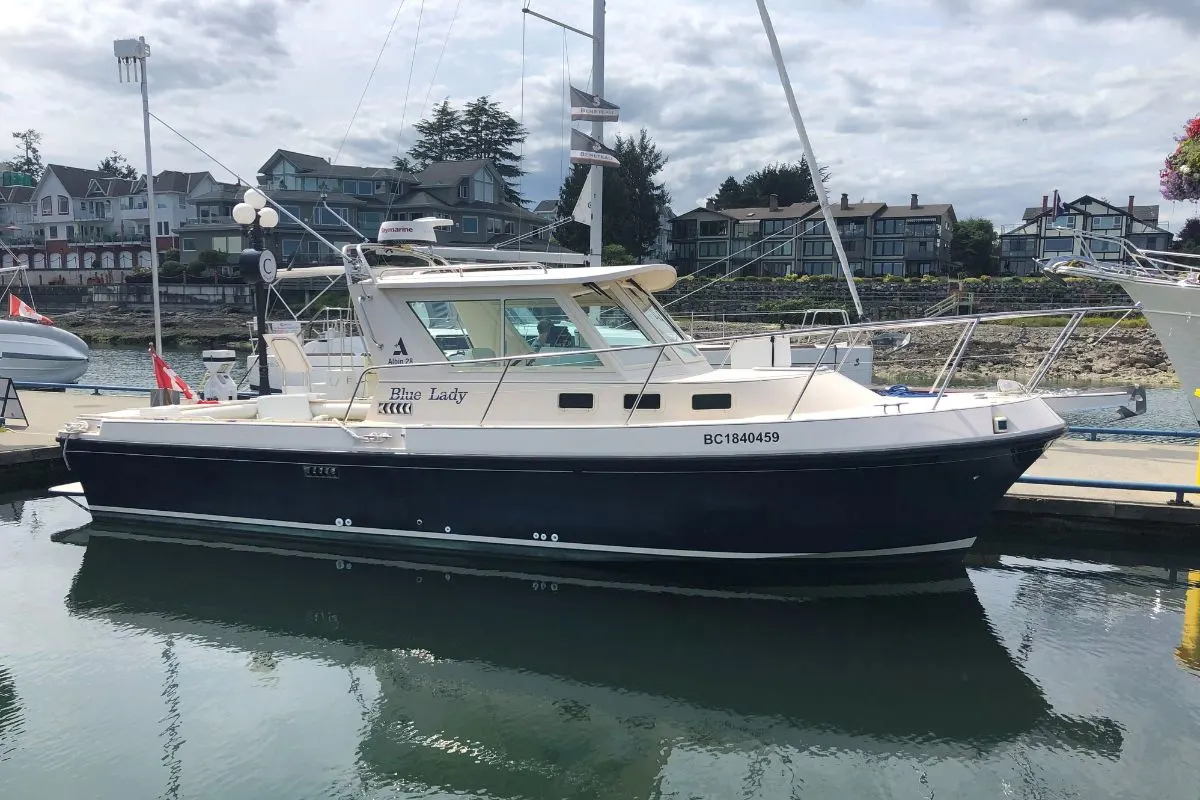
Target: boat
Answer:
pixel 32 348
pixel 634 452
pixel 657 662
pixel 1165 285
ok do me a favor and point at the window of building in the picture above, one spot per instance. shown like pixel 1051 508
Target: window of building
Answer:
pixel 291 209
pixel 777 268
pixel 287 247
pixel 53 231
pixel 770 226
pixel 683 229
pixel 816 227
pixel 1104 246
pixel 818 248
pixel 921 229
pixel 1065 221
pixel 70 232
pixel 1016 245
pixel 64 205
pixel 1106 223
pixel 489 328
pixel 510 227
pixel 818 267
pixel 72 261
pixel 745 230
pixel 494 226
pixel 322 215
pixel 889 227
pixel 1059 244
pixel 47 206
pixel 485 187
pixel 164 228
pixel 887 267
pixel 713 249
pixel 888 247
pixel 470 224
pixel 357 187
pixel 227 244
pixel 55 261
pixel 188 244
pixel 714 227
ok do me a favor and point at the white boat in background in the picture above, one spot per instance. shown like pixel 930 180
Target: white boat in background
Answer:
pixel 32 352
pixel 32 348
pixel 1166 285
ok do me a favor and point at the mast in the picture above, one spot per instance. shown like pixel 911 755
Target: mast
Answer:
pixel 597 172
pixel 814 168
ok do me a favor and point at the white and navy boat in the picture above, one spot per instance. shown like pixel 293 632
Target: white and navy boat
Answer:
pixel 542 431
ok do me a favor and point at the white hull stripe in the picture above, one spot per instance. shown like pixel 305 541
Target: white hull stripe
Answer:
pixel 958 544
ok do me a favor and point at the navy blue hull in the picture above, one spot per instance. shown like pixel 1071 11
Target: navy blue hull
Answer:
pixel 907 504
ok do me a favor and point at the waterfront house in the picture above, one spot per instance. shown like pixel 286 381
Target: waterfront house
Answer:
pixel 310 188
pixel 1043 234
pixel 794 239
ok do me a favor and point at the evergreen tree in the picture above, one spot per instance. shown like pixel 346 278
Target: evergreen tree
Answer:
pixel 791 183
pixel 632 202
pixel 440 137
pixel 729 194
pixel 29 158
pixel 489 132
pixel 117 166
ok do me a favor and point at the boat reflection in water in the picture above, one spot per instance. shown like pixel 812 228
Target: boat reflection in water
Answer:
pixel 493 679
pixel 11 716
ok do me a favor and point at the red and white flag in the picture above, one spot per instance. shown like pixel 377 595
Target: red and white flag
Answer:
pixel 166 378
pixel 19 308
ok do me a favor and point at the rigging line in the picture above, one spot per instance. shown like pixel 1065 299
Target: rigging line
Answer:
pixel 726 261
pixel 562 134
pixel 438 63
pixel 404 112
pixel 521 119
pixel 367 86
pixel 411 66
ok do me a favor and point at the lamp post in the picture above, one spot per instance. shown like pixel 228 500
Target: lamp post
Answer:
pixel 258 267
pixel 131 65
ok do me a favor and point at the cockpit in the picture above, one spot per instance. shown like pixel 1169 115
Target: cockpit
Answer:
pixel 556 319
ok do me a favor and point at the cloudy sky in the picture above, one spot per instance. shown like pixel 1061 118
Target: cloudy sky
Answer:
pixel 987 104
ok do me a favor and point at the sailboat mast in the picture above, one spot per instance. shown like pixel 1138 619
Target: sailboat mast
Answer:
pixel 597 172
pixel 814 168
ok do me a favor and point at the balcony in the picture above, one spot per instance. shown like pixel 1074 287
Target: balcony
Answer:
pixel 212 220
pixel 23 241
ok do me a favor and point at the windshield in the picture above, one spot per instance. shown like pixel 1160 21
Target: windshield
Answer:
pixel 660 319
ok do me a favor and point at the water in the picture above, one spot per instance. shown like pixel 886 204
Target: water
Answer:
pixel 132 667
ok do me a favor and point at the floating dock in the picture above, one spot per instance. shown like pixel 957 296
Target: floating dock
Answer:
pixel 1138 489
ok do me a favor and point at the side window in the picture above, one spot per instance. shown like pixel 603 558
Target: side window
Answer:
pixel 470 329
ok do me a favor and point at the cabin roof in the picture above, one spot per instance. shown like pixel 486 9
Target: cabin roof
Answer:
pixel 651 277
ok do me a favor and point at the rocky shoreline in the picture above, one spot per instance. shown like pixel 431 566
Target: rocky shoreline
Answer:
pixel 1127 355
pixel 116 327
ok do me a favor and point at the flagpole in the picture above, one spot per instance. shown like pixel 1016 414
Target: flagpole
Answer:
pixel 597 172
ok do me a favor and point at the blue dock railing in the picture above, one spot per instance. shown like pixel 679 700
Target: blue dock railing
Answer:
pixel 1179 490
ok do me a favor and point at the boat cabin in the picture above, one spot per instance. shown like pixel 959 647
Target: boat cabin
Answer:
pixel 524 344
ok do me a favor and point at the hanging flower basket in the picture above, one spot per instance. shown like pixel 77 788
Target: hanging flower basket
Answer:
pixel 1180 175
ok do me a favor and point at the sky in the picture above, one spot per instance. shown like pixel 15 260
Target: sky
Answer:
pixel 986 104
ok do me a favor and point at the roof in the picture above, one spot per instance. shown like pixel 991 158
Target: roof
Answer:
pixel 306 164
pixel 449 173
pixel 857 209
pixel 928 210
pixel 76 180
pixel 16 194
pixel 170 180
pixel 1147 214
pixel 545 206
pixel 651 277
pixel 790 211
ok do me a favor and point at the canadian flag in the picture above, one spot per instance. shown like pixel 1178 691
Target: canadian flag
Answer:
pixel 19 308
pixel 166 378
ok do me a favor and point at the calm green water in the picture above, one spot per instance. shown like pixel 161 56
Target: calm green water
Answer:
pixel 138 668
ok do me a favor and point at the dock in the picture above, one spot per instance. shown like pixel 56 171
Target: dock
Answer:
pixel 29 456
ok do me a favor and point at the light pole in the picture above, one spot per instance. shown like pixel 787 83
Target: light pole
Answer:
pixel 131 65
pixel 258 268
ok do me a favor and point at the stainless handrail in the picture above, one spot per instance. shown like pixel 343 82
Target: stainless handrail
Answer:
pixel 962 351
pixel 970 319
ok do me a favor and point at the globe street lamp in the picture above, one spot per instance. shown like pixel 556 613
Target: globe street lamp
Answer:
pixel 258 268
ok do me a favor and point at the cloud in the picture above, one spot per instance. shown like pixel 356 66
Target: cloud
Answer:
pixel 987 104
